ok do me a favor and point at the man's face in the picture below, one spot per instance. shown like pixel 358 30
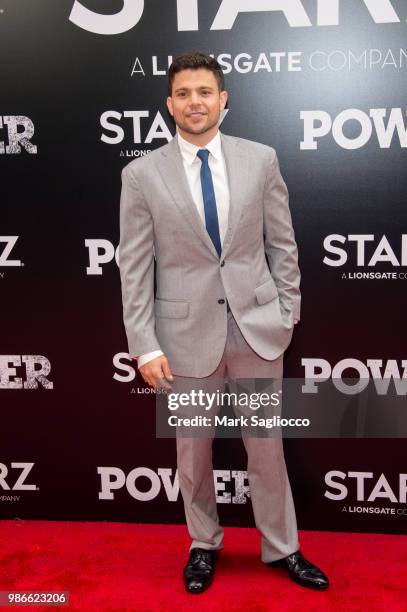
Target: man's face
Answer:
pixel 196 102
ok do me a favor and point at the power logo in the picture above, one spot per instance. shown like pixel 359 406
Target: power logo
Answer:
pixel 19 130
pixel 319 123
pixel 317 371
pixel 113 479
pixel 34 372
pixel 101 251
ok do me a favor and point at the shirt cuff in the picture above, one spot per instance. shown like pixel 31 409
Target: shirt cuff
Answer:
pixel 143 359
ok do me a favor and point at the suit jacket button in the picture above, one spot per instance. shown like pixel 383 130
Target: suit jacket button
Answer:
pixel 221 301
pixel 222 263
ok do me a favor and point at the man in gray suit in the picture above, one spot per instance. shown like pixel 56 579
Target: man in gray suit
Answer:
pixel 212 210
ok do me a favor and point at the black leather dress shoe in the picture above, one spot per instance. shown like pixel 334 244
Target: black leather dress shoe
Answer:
pixel 198 572
pixel 302 571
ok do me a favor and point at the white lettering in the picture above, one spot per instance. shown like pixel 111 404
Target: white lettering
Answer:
pixel 120 22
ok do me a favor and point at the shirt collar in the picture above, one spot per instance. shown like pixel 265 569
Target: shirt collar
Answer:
pixel 189 150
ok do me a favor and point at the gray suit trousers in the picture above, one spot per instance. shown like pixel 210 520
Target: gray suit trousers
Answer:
pixel 270 489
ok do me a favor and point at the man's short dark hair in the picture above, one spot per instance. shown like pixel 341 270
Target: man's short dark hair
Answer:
pixel 192 61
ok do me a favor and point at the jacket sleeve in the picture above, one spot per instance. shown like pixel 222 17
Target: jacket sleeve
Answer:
pixel 136 263
pixel 280 245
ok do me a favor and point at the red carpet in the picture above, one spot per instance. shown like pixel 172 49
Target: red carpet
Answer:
pixel 123 567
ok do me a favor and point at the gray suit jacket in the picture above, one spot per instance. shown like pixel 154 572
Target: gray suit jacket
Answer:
pixel 158 218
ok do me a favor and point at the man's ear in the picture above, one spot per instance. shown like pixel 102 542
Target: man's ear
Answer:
pixel 223 98
pixel 169 106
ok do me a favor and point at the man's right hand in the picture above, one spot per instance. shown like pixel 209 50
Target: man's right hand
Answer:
pixel 157 373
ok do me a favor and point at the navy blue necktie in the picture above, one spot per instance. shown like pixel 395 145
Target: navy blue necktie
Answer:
pixel 209 200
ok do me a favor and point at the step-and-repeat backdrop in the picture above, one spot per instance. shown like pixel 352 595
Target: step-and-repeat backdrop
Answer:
pixel 82 93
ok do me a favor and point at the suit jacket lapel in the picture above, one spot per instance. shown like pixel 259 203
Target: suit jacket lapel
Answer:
pixel 237 169
pixel 173 174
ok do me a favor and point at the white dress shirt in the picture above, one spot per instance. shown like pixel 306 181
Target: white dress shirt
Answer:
pixel 192 165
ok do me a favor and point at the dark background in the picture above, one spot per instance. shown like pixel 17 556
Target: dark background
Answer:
pixel 63 78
